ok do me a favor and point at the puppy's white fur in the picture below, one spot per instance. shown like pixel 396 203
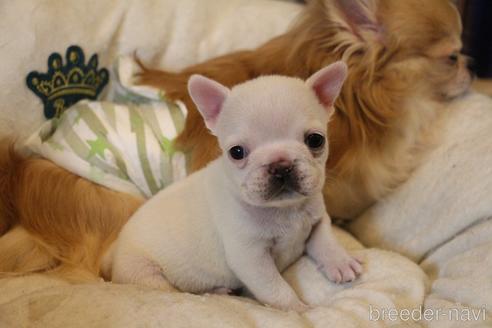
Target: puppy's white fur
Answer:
pixel 240 222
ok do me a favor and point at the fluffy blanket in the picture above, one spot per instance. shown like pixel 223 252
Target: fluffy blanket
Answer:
pixel 440 218
pixel 390 281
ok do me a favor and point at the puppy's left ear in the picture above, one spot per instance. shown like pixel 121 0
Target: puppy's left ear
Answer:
pixel 209 96
pixel 327 83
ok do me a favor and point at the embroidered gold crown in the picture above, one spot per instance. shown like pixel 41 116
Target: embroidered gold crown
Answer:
pixel 64 85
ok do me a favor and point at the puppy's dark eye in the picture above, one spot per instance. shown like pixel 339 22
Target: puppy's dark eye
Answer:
pixel 315 141
pixel 237 153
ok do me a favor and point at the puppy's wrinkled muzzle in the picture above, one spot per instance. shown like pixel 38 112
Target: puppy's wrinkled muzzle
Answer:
pixel 283 180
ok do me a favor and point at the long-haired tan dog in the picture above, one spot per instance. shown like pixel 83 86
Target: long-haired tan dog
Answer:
pixel 403 59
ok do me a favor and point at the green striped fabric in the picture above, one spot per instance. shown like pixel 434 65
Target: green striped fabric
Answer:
pixel 128 148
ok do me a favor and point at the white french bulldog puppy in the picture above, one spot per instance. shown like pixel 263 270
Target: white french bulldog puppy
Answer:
pixel 253 211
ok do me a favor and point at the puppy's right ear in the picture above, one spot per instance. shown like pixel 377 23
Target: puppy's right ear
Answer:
pixel 327 83
pixel 209 96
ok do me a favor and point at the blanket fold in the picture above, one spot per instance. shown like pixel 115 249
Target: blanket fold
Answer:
pixel 389 282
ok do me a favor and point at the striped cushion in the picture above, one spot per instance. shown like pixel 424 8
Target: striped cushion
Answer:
pixel 127 148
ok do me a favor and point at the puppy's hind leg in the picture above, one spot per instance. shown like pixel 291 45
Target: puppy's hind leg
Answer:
pixel 138 270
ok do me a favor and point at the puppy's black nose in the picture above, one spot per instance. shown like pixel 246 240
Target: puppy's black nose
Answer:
pixel 281 169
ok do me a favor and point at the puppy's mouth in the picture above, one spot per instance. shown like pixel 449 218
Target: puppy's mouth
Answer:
pixel 284 188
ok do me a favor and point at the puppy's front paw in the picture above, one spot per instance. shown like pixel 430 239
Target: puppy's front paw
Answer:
pixel 341 268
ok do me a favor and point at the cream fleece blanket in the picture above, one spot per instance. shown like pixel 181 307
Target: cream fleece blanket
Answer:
pixel 441 216
pixel 389 281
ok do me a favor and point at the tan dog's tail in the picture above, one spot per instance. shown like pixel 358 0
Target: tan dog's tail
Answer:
pixel 54 221
pixel 20 252
pixel 10 160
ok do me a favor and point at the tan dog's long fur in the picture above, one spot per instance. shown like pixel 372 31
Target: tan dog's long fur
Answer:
pixel 395 80
pixel 400 69
pixel 59 221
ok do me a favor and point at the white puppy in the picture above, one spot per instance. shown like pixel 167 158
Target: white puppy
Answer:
pixel 252 212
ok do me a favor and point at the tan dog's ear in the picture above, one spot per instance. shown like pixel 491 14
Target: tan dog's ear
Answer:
pixel 358 16
pixel 327 83
pixel 208 96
